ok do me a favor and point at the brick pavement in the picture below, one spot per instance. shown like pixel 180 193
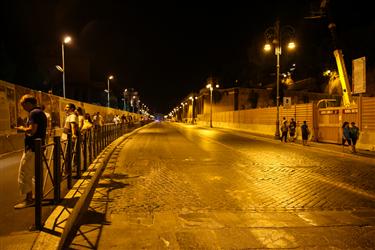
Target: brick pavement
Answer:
pixel 156 196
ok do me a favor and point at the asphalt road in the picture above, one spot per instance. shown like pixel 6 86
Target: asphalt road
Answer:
pixel 13 220
pixel 184 187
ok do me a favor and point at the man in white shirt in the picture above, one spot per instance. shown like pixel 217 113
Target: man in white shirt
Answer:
pixel 71 122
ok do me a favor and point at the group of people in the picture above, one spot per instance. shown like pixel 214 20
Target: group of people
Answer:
pixel 38 126
pixel 350 134
pixel 291 129
pixel 77 121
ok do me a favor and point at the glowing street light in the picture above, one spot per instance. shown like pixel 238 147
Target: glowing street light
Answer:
pixel 66 40
pixel 274 34
pixel 211 88
pixel 192 108
pixel 107 90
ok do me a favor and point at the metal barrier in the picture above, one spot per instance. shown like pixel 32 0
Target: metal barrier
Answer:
pixel 56 162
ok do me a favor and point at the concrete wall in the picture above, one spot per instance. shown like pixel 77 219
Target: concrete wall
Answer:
pixel 262 121
pixel 12 114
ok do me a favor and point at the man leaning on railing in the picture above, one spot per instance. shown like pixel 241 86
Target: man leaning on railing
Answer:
pixel 35 128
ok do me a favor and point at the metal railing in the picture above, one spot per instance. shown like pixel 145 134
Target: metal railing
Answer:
pixel 56 162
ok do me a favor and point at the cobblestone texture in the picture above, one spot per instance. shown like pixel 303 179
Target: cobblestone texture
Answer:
pixel 204 189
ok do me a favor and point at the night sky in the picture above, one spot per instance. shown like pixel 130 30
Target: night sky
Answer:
pixel 167 49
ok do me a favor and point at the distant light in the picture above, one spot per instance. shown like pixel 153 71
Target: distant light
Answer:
pixel 267 47
pixel 291 45
pixel 59 68
pixel 110 77
pixel 217 86
pixel 327 73
pixel 208 86
pixel 67 39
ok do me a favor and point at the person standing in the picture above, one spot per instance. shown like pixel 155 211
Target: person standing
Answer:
pixel 284 131
pixel 346 135
pixel 35 128
pixel 98 120
pixel 292 130
pixel 81 118
pixel 49 122
pixel 87 123
pixel 305 131
pixel 71 122
pixel 354 135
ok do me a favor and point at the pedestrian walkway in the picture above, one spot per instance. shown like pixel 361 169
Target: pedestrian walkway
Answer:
pixel 326 147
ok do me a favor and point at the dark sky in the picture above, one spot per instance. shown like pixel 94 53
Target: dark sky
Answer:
pixel 167 49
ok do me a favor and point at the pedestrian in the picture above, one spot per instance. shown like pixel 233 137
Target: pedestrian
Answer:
pixel 354 135
pixel 71 122
pixel 116 119
pixel 123 119
pixel 284 131
pixel 98 120
pixel 81 118
pixel 292 130
pixel 49 122
pixel 305 131
pixel 87 123
pixel 346 134
pixel 35 128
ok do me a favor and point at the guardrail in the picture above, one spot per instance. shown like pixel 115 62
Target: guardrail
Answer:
pixel 56 162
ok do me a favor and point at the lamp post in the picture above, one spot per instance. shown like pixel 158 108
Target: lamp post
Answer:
pixel 211 88
pixel 66 40
pixel 192 108
pixel 274 34
pixel 107 90
pixel 125 98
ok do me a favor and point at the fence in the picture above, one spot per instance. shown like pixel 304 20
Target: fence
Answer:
pixel 12 114
pixel 57 162
pixel 260 121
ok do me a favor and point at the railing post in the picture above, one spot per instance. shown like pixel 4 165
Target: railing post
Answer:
pixel 78 155
pixel 91 146
pixel 100 138
pixel 38 183
pixel 105 136
pixel 68 163
pixel 56 169
pixel 85 150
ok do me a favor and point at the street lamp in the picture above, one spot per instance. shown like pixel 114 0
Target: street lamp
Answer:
pixel 192 108
pixel 274 34
pixel 66 40
pixel 107 90
pixel 211 88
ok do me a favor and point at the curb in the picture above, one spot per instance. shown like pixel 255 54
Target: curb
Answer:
pixel 313 146
pixel 61 225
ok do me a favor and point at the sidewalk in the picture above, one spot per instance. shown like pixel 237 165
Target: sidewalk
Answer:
pixel 316 146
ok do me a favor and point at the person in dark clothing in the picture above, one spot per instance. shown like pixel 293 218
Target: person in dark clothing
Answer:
pixel 346 134
pixel 354 135
pixel 305 133
pixel 284 131
pixel 35 128
pixel 292 130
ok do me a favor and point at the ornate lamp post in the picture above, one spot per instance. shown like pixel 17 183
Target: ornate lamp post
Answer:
pixel 274 34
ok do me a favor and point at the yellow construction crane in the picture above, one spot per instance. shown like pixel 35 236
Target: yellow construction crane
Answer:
pixel 343 75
